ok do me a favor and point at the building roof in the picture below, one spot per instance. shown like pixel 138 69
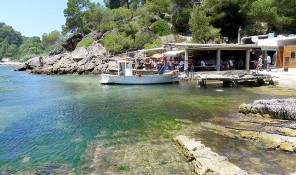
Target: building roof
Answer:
pixel 195 46
pixel 173 53
pixel 278 41
pixel 153 49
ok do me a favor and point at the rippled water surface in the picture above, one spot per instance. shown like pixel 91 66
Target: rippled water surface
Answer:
pixel 45 119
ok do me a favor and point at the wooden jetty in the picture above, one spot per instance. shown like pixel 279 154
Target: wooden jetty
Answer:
pixel 233 79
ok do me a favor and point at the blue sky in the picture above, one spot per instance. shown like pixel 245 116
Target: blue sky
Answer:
pixel 34 17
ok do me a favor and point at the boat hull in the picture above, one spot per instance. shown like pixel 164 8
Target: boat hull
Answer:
pixel 140 79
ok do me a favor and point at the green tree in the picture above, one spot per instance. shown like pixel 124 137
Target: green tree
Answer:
pixel 181 15
pixel 286 9
pixel 12 51
pixel 160 7
pixel 92 17
pixel 117 42
pixel 200 26
pixel 226 15
pixel 142 38
pixel 161 27
pixel 7 32
pixel 74 15
pixel 146 15
pixel 50 40
pixel 263 13
pixel 115 18
pixel 4 45
pixel 133 4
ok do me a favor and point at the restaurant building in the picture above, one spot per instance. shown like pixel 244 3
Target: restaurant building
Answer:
pixel 281 49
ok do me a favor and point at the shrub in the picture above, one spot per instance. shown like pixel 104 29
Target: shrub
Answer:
pixel 85 42
pixel 161 28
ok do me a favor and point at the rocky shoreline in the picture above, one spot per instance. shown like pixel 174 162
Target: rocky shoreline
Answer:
pixel 83 60
pixel 260 127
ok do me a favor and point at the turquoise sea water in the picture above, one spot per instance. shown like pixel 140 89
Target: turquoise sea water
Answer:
pixel 47 119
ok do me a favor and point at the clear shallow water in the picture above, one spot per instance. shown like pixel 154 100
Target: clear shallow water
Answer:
pixel 53 118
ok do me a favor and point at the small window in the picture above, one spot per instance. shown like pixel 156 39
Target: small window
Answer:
pixel 293 54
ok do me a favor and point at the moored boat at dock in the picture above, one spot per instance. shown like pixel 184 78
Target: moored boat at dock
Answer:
pixel 127 75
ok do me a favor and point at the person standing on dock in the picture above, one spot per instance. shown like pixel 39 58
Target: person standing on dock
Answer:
pixel 259 64
pixel 268 61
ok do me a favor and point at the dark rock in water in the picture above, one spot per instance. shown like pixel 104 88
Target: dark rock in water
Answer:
pixel 276 108
pixel 21 67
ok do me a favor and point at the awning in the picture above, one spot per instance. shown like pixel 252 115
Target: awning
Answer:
pixel 173 53
pixel 158 55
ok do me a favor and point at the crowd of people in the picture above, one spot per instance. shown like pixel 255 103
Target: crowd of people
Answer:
pixel 157 64
pixel 178 64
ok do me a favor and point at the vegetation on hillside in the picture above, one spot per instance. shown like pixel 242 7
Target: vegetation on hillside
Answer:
pixel 137 24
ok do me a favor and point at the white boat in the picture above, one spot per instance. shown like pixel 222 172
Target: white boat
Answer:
pixel 125 76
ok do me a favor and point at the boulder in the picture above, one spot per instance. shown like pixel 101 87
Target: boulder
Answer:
pixel 21 67
pixel 95 35
pixel 286 147
pixel 35 62
pixel 51 59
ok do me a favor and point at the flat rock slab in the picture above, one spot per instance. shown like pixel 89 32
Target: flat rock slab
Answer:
pixel 204 160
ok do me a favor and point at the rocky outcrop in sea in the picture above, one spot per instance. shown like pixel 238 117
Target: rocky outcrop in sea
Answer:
pixel 83 60
pixel 72 59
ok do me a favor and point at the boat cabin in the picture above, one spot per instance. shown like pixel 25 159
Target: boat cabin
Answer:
pixel 125 67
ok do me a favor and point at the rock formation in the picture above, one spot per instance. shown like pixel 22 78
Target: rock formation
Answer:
pixel 275 108
pixel 83 60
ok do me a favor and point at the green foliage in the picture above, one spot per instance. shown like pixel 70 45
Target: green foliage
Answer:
pixel 30 48
pixel 51 41
pixel 155 44
pixel 227 16
pixel 115 18
pixel 7 32
pixel 161 27
pixel 82 16
pixel 85 42
pixel 117 42
pixel 130 28
pixel 4 47
pixel 146 15
pixel 113 4
pixel 142 38
pixel 180 20
pixel 200 26
pixel 92 17
pixel 10 40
